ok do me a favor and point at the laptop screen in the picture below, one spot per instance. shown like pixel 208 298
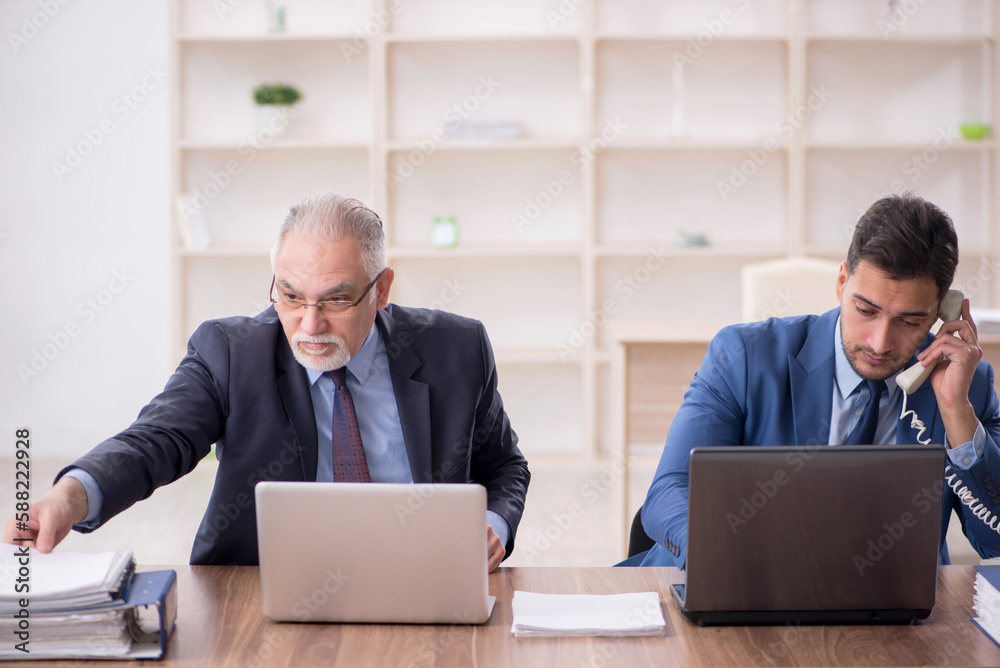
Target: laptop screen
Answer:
pixel 814 528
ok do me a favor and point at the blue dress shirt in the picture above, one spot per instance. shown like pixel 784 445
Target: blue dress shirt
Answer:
pixel 850 395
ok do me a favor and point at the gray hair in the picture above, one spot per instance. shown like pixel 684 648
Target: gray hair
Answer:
pixel 330 217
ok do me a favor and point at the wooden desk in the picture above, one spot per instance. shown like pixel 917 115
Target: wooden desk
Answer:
pixel 652 367
pixel 220 624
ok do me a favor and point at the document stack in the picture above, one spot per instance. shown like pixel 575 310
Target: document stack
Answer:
pixel 483 130
pixel 68 605
pixel 986 601
pixel 616 615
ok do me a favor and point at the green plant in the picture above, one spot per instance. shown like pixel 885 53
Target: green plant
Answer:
pixel 276 93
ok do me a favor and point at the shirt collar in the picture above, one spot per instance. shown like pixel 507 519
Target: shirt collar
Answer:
pixel 845 377
pixel 361 364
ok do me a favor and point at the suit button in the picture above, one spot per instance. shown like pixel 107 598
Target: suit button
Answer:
pixel 986 477
pixel 989 485
pixel 993 494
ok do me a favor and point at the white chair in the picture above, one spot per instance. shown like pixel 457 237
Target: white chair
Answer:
pixel 789 286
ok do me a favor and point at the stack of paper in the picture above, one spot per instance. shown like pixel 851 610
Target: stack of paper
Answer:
pixel 986 601
pixel 483 130
pixel 540 615
pixel 65 605
pixel 987 320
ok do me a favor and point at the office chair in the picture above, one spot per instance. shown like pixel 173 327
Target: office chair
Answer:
pixel 638 541
pixel 789 286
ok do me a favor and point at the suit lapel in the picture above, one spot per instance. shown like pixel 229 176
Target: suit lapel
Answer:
pixel 412 398
pixel 293 387
pixel 811 381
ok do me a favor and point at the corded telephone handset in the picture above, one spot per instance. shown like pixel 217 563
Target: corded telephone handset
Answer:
pixel 909 381
pixel 951 309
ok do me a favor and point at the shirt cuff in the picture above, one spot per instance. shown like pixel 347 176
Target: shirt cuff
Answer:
pixel 499 525
pixel 969 453
pixel 95 499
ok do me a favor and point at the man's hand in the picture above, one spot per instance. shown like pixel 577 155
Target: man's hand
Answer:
pixel 494 549
pixel 52 515
pixel 957 347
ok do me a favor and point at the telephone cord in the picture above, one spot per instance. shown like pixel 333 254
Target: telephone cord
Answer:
pixel 963 493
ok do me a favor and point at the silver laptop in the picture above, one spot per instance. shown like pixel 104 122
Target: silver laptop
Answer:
pixel 371 552
pixel 812 534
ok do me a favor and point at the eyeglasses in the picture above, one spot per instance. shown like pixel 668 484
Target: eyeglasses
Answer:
pixel 291 303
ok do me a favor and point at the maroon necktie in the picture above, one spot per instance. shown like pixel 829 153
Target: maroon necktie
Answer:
pixel 349 463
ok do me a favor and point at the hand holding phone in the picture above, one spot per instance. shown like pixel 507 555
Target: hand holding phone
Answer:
pixel 951 309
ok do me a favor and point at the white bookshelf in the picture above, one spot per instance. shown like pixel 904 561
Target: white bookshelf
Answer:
pixel 574 224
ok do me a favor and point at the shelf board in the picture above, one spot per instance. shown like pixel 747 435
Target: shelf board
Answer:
pixel 721 251
pixel 915 145
pixel 502 38
pixel 684 37
pixel 668 143
pixel 528 144
pixel 224 144
pixel 534 355
pixel 462 252
pixel 900 38
pixel 229 250
pixel 195 38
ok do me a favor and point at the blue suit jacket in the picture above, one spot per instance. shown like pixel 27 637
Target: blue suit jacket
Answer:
pixel 240 387
pixel 770 383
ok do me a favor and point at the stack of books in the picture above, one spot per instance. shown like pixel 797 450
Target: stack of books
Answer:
pixel 69 605
pixel 986 600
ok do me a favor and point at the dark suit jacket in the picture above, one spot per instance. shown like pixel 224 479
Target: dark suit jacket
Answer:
pixel 770 383
pixel 240 387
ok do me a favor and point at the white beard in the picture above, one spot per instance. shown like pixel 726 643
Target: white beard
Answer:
pixel 326 362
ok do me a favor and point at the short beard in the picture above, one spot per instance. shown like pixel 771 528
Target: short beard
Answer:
pixel 323 363
pixel 852 356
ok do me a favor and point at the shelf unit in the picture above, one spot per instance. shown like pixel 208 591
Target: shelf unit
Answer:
pixel 783 120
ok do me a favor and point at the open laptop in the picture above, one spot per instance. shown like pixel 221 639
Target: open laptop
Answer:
pixel 812 534
pixel 373 552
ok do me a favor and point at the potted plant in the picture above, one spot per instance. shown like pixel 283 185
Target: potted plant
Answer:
pixel 274 102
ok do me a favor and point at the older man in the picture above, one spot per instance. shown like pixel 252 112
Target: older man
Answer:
pixel 331 383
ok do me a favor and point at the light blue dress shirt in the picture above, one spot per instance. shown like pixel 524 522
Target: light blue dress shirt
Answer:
pixel 370 385
pixel 850 396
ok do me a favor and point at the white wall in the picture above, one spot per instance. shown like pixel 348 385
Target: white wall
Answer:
pixel 99 231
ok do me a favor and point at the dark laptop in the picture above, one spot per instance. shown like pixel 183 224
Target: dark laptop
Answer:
pixel 812 534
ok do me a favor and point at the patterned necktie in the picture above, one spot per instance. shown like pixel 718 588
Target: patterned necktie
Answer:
pixel 349 463
pixel 864 432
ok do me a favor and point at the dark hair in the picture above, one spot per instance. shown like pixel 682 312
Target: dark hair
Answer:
pixel 906 237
